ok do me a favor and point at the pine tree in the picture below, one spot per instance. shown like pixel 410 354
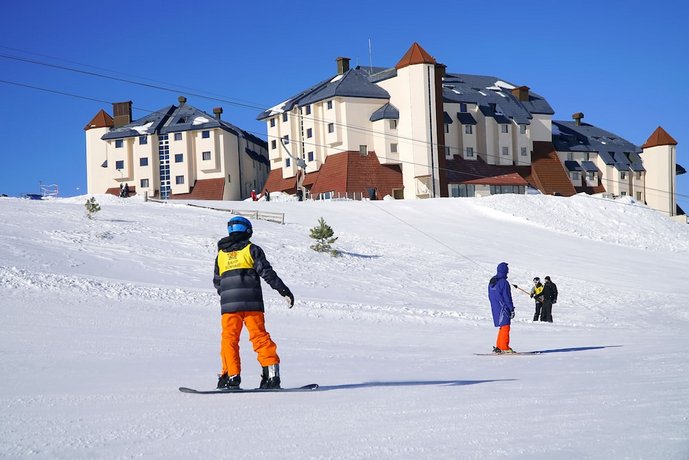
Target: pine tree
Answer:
pixel 92 207
pixel 323 234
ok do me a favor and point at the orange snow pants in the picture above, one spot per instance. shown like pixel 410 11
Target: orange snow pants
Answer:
pixel 503 337
pixel 260 339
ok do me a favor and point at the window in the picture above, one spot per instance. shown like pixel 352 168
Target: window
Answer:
pixel 143 161
pixel 468 129
pixel 363 149
pixel 309 132
pixel 623 175
pixel 119 143
pixel 143 140
pixel 284 116
pixel 522 151
pixel 285 139
pixel 462 190
pixel 447 128
pixel 179 180
pixel 308 109
pixel 623 193
pixel 448 152
pixel 178 136
pixel 331 127
pixel 205 134
pixel 329 105
pixel 273 144
pixel 179 157
pixel 505 151
pixel 575 175
pixel 393 148
pixel 500 189
pixel 504 128
pixel 638 196
pixel 143 183
pixel 287 162
pixel 522 129
pixel 470 152
pixel 638 174
pixel 310 156
pixel 393 124
pixel 463 107
pixel 272 122
pixel 570 156
pixel 205 156
pixel 119 164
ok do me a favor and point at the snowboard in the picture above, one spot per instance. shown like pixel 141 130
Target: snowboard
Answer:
pixel 509 354
pixel 310 387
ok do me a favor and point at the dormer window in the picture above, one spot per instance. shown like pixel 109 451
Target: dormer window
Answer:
pixel 284 116
pixel 463 107
pixel 119 143
pixel 504 128
pixel 272 122
pixel 393 124
pixel 329 105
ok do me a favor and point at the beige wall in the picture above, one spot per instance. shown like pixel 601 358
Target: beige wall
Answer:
pixel 660 164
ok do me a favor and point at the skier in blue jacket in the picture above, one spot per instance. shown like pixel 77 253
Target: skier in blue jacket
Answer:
pixel 500 296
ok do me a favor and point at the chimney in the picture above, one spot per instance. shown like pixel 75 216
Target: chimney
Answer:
pixel 122 113
pixel 182 100
pixel 342 65
pixel 521 93
pixel 577 118
pixel 217 111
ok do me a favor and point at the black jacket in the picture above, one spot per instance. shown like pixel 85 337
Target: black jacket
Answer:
pixel 549 292
pixel 239 286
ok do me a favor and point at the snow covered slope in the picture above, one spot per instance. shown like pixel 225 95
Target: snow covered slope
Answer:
pixel 103 319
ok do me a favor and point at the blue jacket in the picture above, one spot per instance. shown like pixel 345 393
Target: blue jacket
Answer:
pixel 500 296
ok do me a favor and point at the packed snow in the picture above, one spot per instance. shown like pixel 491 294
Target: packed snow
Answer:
pixel 104 318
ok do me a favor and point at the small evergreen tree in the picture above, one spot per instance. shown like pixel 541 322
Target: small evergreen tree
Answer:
pixel 323 234
pixel 92 207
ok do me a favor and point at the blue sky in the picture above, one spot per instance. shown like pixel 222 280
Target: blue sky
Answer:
pixel 624 64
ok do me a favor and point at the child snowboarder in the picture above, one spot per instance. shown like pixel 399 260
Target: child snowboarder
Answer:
pixel 238 266
pixel 500 296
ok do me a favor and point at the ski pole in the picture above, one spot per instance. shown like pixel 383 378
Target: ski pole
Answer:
pixel 525 292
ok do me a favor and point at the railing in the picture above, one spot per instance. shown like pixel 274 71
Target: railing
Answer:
pixel 277 217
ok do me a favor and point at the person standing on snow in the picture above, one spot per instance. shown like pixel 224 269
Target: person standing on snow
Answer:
pixel 238 266
pixel 549 295
pixel 536 295
pixel 253 195
pixel 500 296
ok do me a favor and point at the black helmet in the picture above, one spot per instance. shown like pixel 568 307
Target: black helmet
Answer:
pixel 537 280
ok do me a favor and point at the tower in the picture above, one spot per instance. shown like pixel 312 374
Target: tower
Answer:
pixel 660 162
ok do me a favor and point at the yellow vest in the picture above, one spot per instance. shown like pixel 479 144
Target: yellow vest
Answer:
pixel 235 260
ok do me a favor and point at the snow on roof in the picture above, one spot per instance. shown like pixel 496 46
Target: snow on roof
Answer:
pixel 200 121
pixel 143 129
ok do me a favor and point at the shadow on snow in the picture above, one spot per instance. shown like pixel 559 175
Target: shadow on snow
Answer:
pixel 410 383
pixel 568 350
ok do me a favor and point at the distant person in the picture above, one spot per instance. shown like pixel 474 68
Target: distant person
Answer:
pixel 253 195
pixel 500 296
pixel 536 295
pixel 267 195
pixel 121 190
pixel 125 190
pixel 239 267
pixel 300 195
pixel 549 295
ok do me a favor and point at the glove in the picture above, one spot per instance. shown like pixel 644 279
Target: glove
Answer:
pixel 531 296
pixel 287 294
pixel 512 314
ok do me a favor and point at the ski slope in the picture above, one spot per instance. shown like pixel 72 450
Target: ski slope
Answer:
pixel 103 319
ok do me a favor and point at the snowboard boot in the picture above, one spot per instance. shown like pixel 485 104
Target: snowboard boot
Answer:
pixel 496 350
pixel 226 382
pixel 270 377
